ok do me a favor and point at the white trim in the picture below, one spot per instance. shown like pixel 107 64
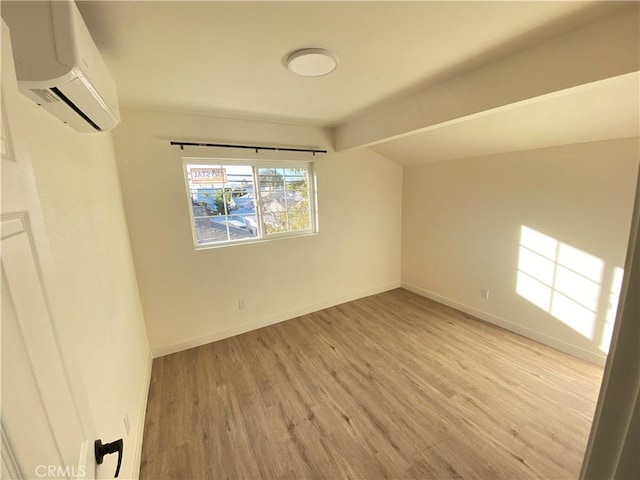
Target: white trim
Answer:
pixel 251 241
pixel 8 457
pixel 13 224
pixel 142 414
pixel 254 325
pixel 607 449
pixel 513 327
pixel 240 161
pixel 5 135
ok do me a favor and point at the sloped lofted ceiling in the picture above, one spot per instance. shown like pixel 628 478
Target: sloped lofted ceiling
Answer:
pixel 599 111
pixel 226 59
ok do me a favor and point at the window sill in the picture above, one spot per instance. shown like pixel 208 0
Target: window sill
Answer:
pixel 250 241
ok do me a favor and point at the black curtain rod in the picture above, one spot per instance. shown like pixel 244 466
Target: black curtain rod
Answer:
pixel 257 148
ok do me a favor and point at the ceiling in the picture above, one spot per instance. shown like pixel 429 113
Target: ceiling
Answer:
pixel 228 59
pixel 601 111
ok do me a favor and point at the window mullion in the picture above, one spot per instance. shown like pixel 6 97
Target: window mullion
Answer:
pixel 311 191
pixel 226 211
pixel 286 200
pixel 258 196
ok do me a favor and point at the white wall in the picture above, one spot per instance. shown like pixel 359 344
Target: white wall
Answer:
pixel 96 305
pixel 462 223
pixel 190 297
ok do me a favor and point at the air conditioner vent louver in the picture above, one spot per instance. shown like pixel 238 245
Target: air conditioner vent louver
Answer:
pixel 60 67
pixel 45 95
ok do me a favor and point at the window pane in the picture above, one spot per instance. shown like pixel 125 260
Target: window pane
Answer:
pixel 223 229
pixel 215 201
pixel 224 201
pixel 295 171
pixel 242 226
pixel 297 197
pixel 271 179
pixel 299 220
pixel 285 199
pixel 208 231
pixel 199 205
pixel 274 222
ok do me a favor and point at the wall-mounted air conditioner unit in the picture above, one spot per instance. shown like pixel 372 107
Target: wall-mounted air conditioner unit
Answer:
pixel 58 66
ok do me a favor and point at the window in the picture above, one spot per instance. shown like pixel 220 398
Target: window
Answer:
pixel 240 201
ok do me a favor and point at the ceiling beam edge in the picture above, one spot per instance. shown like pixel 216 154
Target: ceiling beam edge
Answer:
pixel 607 48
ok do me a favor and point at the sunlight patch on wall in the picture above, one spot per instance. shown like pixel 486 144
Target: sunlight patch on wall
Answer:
pixel 561 280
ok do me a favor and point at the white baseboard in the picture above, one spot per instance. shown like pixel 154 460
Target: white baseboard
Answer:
pixel 142 414
pixel 513 327
pixel 247 327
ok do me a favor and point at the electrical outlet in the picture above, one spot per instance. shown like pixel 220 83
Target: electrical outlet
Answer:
pixel 127 423
pixel 241 304
pixel 484 293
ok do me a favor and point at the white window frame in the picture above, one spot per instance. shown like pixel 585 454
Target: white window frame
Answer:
pixel 255 164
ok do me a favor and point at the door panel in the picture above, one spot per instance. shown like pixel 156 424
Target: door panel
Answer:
pixel 47 429
pixel 38 412
pixel 8 465
pixel 21 403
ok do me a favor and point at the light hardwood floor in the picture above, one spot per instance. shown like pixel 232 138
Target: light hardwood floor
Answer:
pixel 388 386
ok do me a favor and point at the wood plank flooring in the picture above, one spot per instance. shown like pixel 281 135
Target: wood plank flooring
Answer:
pixel 389 386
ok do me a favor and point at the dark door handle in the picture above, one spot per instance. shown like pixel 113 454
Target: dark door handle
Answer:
pixel 113 447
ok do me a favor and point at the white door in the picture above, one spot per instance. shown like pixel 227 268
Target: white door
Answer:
pixel 46 429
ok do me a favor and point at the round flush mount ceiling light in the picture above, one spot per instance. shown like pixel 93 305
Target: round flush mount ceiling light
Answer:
pixel 312 62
